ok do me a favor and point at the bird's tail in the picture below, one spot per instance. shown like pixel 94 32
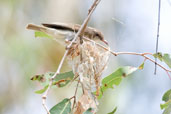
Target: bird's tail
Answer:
pixel 36 27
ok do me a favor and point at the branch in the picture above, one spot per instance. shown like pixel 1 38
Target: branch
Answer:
pixel 132 53
pixel 79 34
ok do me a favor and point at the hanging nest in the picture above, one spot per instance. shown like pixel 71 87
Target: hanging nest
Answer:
pixel 88 61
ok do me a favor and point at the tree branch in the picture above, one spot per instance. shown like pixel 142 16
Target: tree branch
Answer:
pixel 131 53
pixel 79 34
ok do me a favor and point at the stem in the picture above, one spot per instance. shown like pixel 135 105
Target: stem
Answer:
pixel 130 53
pixel 158 31
pixel 75 94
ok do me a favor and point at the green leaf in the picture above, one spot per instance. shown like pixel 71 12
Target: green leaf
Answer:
pixel 167 59
pixel 119 73
pixel 60 80
pixel 113 111
pixel 167 110
pixel 141 66
pixel 167 96
pixel 63 79
pixel 42 34
pixel 64 107
pixel 163 57
pixel 66 75
pixel 89 111
pixel 47 77
pixel 37 78
pixel 43 78
pixel 165 105
pixel 158 55
pixel 115 78
pixel 42 90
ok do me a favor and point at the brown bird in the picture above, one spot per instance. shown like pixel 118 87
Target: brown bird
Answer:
pixel 63 31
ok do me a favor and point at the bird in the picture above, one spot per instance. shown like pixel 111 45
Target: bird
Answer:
pixel 66 31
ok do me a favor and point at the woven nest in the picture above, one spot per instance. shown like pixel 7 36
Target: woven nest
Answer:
pixel 88 61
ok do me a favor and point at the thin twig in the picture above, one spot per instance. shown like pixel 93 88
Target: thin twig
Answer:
pixel 158 31
pixel 94 5
pixel 51 82
pixel 131 53
pixel 83 26
pixel 79 34
pixel 75 95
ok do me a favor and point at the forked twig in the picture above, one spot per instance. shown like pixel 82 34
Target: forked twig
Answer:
pixel 79 34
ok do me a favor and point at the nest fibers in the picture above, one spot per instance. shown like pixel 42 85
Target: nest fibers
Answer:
pixel 88 61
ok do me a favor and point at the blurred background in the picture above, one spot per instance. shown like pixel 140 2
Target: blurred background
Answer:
pixel 22 55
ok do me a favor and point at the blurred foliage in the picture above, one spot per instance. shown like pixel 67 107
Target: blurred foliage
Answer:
pixel 21 55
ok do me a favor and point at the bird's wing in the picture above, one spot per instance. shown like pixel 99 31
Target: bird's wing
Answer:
pixel 63 26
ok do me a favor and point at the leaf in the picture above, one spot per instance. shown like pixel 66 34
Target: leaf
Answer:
pixel 167 59
pixel 42 90
pixel 89 111
pixel 42 34
pixel 64 107
pixel 167 110
pixel 37 78
pixel 167 96
pixel 47 77
pixel 66 75
pixel 113 111
pixel 63 79
pixel 115 78
pixel 163 57
pixel 43 78
pixel 167 105
pixel 60 80
pixel 141 66
pixel 158 55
